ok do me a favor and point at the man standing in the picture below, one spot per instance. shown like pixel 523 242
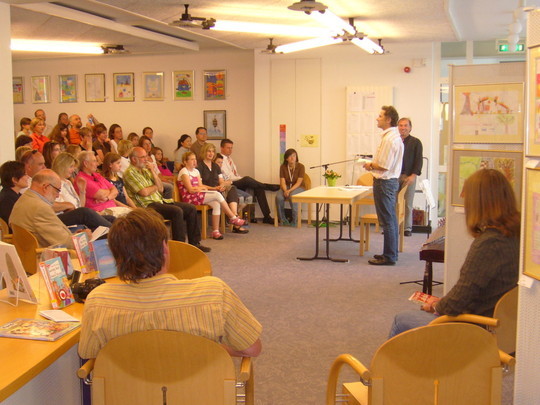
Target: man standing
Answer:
pixel 386 168
pixel 145 187
pixel 149 298
pixel 411 168
pixel 230 172
pixel 202 136
pixel 75 126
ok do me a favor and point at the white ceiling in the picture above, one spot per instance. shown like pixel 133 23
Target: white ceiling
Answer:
pixel 113 21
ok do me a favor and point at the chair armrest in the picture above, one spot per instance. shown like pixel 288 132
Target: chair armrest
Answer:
pixel 506 359
pixel 245 369
pixel 356 365
pixel 85 370
pixel 470 318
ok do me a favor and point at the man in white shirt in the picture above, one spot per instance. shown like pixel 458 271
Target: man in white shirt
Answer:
pixel 230 172
pixel 386 169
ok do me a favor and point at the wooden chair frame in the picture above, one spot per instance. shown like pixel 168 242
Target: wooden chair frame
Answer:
pixel 27 247
pixel 187 261
pixel 7 236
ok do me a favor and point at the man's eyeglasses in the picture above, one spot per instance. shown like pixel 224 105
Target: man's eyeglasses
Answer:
pixel 56 188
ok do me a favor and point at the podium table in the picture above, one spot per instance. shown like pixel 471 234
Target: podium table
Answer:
pixel 329 195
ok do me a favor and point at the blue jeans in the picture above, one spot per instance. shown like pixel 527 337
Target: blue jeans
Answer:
pixel 385 197
pixel 409 320
pixel 280 198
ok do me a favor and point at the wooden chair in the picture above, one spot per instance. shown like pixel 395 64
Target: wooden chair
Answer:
pixel 365 179
pixel 166 367
pixel 452 363
pixel 27 247
pixel 367 219
pixel 186 261
pixel 204 210
pixel 503 324
pixel 307 186
pixel 7 236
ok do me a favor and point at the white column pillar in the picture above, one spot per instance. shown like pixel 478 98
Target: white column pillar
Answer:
pixel 7 141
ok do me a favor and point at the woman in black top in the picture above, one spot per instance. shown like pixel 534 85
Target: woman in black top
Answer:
pixel 13 179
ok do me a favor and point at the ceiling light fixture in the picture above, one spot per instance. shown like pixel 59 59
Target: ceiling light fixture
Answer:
pixel 56 46
pixel 333 22
pixel 275 29
pixel 307 6
pixel 367 45
pixel 307 44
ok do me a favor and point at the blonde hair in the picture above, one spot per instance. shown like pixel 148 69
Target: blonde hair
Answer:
pixel 206 147
pixel 62 163
pixel 124 147
pixel 490 203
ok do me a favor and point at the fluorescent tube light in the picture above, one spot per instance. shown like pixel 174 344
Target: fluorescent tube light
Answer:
pixel 307 44
pixel 273 29
pixel 367 45
pixel 55 46
pixel 332 21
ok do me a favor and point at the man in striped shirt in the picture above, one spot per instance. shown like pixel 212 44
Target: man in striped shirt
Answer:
pixel 149 298
pixel 386 169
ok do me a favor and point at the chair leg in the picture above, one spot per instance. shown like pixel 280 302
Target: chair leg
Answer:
pixel 299 216
pixel 309 213
pixel 362 236
pixel 204 223
pixel 401 235
pixel 276 214
pixel 368 230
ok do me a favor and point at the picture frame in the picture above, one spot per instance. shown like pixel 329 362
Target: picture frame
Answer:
pixel 215 84
pixel 215 122
pixel 183 84
pixel 124 86
pixel 489 113
pixel 18 90
pixel 533 139
pixel 68 88
pixel 153 86
pixel 41 88
pixel 94 87
pixel 467 161
pixel 531 257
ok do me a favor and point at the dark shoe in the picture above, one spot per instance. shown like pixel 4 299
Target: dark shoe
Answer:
pixel 272 187
pixel 268 220
pixel 239 230
pixel 378 257
pixel 407 233
pixel 381 262
pixel 253 220
pixel 203 248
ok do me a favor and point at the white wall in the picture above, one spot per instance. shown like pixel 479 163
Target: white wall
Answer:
pixel 168 118
pixel 342 66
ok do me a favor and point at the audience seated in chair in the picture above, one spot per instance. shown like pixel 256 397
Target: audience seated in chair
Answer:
pixel 194 192
pixel 13 179
pixel 491 266
pixel 150 298
pixel 291 179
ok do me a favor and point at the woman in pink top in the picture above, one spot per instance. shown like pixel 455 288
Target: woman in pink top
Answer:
pixel 100 193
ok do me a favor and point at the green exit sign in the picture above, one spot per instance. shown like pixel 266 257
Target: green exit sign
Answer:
pixel 507 48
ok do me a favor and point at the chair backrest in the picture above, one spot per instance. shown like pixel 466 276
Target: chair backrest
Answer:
pixel 438 364
pixel 186 261
pixel 506 312
pixel 27 245
pixel 400 207
pixel 6 233
pixel 163 367
pixel 307 181
pixel 365 180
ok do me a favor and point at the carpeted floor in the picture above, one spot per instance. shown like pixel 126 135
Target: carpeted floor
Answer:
pixel 312 311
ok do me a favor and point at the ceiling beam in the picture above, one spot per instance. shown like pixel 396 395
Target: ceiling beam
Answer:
pixel 89 19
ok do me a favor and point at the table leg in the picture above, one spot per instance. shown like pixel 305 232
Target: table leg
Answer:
pixel 340 237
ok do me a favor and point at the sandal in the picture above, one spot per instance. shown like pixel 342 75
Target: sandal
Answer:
pixel 237 221
pixel 238 229
pixel 217 235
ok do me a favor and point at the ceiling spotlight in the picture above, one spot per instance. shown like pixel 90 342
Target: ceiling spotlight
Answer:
pixel 308 6
pixel 109 49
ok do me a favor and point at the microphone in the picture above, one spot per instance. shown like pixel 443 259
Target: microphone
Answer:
pixel 366 156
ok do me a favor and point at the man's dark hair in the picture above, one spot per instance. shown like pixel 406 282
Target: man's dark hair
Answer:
pixel 406 119
pixel 136 241
pixel 198 129
pixel 9 170
pixel 22 140
pixel 25 121
pixel 390 112
pixel 225 142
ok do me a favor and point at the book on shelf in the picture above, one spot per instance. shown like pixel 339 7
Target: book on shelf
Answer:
pixel 420 297
pixel 105 263
pixel 57 283
pixel 13 274
pixel 36 329
pixel 84 252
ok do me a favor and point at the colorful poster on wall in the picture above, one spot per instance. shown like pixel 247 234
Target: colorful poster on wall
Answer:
pixel 531 261
pixel 183 81
pixel 214 84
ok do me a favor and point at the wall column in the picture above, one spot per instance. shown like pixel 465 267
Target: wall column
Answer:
pixel 6 90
